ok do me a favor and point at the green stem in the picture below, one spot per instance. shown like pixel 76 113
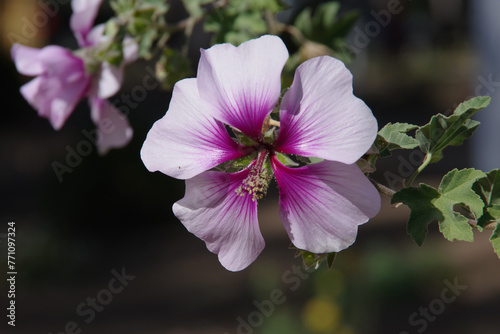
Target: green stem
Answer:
pixel 427 160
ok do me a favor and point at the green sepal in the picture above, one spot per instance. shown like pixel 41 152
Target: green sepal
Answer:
pixel 314 260
pixel 236 165
pixel 309 259
pixel 286 160
pixel 243 139
pixel 315 160
pixel 308 160
pixel 268 166
pixel 330 258
pixel 244 161
pixel 270 136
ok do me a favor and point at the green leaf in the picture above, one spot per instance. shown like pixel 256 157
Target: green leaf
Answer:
pixel 495 240
pixel 488 188
pixel 428 204
pixel 274 6
pixel 144 20
pixel 494 211
pixel 456 188
pixel 323 25
pixel 251 22
pixel 443 131
pixel 193 7
pixel 240 20
pixel 423 212
pixel 303 21
pixel 395 137
pixel 172 67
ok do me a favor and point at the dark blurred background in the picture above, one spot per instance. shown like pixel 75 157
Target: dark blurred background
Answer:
pixel 110 213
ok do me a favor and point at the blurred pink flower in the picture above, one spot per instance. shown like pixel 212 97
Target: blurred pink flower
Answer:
pixel 321 204
pixel 63 77
pixel 61 80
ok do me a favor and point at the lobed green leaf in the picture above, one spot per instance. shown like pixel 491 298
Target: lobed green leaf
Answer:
pixel 428 204
pixel 423 212
pixel 443 131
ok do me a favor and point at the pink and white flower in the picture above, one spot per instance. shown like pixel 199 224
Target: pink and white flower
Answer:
pixel 320 205
pixel 63 78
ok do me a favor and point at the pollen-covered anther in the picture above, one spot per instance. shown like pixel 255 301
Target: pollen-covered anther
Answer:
pixel 255 184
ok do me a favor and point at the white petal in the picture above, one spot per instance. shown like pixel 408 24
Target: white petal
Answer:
pixel 227 222
pixel 113 127
pixel 110 80
pixel 320 116
pixel 187 141
pixel 83 17
pixel 322 204
pixel 243 83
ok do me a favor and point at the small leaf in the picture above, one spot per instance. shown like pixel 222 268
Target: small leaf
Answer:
pixel 488 188
pixel 423 212
pixel 495 240
pixel 396 137
pixel 443 131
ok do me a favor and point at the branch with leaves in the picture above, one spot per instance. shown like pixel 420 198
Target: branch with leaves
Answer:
pixel 475 192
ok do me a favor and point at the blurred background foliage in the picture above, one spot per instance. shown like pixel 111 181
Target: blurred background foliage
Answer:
pixel 110 212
